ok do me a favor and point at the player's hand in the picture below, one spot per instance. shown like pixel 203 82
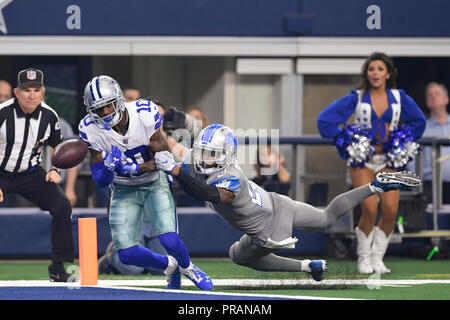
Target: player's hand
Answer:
pixel 129 167
pixel 164 161
pixel 112 160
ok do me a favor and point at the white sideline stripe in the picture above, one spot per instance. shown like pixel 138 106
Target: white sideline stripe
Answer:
pixel 134 285
pixel 228 293
pixel 139 284
pixel 227 282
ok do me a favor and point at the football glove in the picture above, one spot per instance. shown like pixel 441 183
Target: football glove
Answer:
pixel 129 167
pixel 164 161
pixel 112 160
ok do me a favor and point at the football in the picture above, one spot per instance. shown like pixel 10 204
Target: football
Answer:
pixel 69 153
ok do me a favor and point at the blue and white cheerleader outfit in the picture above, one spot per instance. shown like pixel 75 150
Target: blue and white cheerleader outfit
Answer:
pixel 402 109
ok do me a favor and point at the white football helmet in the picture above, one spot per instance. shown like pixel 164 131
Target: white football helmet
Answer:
pixel 214 149
pixel 100 92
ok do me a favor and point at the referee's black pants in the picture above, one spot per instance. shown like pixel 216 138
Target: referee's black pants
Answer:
pixel 48 196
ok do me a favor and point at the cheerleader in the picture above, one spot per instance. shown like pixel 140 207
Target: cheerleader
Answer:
pixel 386 113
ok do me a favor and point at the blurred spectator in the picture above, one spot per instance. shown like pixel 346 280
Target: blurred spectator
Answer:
pixel 271 172
pixel 193 119
pixel 131 93
pixel 5 91
pixel 438 125
pixel 181 128
pixel 198 114
pixel 5 95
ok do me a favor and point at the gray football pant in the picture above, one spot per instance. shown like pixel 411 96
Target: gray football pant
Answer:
pixel 294 215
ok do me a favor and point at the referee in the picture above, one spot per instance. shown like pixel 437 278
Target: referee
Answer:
pixel 27 124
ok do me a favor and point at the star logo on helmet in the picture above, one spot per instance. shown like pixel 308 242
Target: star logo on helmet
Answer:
pixel 3 3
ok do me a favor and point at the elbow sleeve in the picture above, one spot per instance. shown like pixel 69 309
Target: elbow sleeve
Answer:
pixel 101 176
pixel 199 190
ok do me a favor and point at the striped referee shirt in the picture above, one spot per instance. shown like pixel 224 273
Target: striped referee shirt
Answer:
pixel 24 136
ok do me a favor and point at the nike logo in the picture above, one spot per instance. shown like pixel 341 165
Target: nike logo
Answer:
pixel 54 276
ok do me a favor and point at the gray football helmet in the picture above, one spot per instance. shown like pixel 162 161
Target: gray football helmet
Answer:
pixel 100 92
pixel 215 148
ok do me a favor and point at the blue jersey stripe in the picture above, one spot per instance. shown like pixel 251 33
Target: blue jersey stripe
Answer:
pixel 225 178
pixel 83 135
pixel 185 167
pixel 158 124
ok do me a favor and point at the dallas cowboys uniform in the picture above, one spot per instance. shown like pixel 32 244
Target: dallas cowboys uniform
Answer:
pixel 268 218
pixel 130 194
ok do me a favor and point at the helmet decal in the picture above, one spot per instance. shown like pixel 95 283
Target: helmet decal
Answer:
pixel 214 149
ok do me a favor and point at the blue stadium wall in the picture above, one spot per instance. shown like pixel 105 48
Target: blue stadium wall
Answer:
pixel 256 18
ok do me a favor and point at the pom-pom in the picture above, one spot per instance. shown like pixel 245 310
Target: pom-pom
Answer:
pixel 354 143
pixel 400 148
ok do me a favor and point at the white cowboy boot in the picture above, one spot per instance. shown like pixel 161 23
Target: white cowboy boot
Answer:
pixel 379 247
pixel 363 249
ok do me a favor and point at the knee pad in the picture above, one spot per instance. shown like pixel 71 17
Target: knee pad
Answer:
pixel 236 256
pixel 231 251
pixel 128 255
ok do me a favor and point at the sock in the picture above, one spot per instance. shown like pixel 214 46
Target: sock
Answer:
pixel 305 265
pixel 176 248
pixel 171 266
pixel 375 189
pixel 185 270
pixel 143 257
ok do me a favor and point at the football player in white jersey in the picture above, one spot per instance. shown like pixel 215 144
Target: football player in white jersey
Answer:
pixel 122 138
pixel 210 172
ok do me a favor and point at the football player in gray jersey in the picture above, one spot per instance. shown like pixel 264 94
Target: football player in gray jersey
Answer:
pixel 210 172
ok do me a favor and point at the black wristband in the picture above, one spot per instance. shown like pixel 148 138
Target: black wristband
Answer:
pixel 56 170
pixel 199 190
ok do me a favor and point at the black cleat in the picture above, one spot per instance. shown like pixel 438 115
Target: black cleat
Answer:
pixel 57 273
pixel 104 266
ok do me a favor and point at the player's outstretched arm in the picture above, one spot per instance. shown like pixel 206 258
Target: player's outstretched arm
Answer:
pixel 202 191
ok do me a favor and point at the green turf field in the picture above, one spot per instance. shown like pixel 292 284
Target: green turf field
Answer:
pixel 402 269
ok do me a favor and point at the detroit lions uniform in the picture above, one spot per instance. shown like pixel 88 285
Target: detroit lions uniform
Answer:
pixel 267 218
pixel 130 193
pixel 252 207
